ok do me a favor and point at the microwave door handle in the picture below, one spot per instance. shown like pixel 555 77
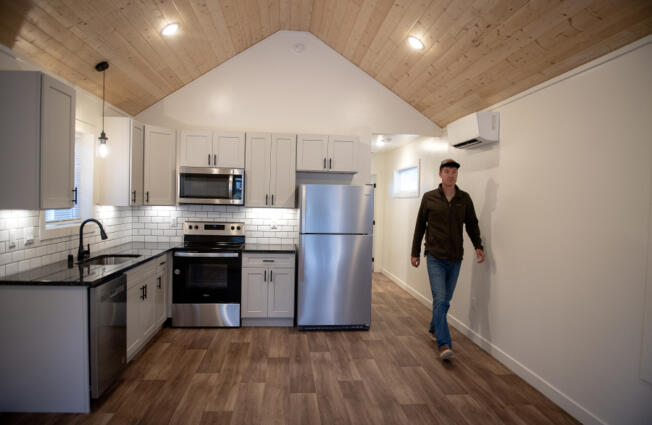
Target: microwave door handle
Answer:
pixel 230 186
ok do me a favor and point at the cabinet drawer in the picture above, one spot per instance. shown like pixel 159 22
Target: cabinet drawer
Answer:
pixel 267 260
pixel 137 275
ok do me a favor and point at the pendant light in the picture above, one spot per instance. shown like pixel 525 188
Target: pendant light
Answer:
pixel 103 149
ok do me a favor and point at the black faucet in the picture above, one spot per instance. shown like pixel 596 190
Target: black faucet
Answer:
pixel 81 253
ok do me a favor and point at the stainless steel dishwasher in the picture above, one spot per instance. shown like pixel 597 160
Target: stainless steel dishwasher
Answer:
pixel 108 333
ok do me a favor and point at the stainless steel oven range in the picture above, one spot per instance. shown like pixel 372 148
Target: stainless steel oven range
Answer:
pixel 206 280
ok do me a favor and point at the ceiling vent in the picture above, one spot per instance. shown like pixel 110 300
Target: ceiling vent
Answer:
pixel 474 130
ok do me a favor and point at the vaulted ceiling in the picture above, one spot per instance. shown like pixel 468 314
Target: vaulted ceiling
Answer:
pixel 477 52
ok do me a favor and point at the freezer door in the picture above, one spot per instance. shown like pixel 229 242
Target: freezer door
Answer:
pixel 334 281
pixel 336 209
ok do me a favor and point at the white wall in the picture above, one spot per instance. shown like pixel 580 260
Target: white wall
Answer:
pixel 563 202
pixel 269 87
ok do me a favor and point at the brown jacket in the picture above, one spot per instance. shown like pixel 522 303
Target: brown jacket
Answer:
pixel 442 223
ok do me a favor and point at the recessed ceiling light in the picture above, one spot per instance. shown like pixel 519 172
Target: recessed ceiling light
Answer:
pixel 170 29
pixel 415 43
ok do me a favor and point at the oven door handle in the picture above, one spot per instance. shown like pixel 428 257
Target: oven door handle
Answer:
pixel 207 254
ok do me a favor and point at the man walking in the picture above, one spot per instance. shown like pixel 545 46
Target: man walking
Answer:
pixel 442 213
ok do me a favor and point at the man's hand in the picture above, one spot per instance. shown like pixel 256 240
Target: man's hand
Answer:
pixel 415 261
pixel 480 255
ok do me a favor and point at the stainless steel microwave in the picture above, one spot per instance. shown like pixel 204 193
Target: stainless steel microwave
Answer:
pixel 205 185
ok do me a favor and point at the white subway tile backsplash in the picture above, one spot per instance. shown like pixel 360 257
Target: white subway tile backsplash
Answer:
pixel 125 224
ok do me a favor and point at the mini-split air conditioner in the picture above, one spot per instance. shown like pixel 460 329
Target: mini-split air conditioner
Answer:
pixel 474 130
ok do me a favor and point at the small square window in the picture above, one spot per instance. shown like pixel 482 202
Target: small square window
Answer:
pixel 406 182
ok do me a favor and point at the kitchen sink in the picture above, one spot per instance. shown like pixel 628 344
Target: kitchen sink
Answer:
pixel 109 259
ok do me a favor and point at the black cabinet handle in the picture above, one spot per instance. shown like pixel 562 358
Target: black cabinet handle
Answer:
pixel 147 200
pixel 214 159
pixel 142 292
pixel 265 276
pixel 209 159
pixel 266 196
pixel 272 199
pixel 74 199
pixel 330 164
pixel 134 197
pixel 271 275
pixel 159 282
pixel 324 163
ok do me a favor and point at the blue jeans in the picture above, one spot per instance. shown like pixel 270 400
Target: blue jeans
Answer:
pixel 443 278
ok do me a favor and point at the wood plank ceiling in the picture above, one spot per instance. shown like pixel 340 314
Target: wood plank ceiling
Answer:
pixel 477 52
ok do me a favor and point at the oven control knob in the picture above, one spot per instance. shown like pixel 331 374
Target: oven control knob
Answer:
pixel 196 227
pixel 238 227
pixel 232 227
pixel 177 272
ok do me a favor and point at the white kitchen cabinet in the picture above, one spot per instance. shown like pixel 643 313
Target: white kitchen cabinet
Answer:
pixel 280 293
pixel 145 303
pixel 121 172
pixel 161 285
pixel 160 168
pixel 196 148
pixel 205 148
pixel 326 154
pixel 254 292
pixel 312 152
pixel 267 289
pixel 37 127
pixel 270 170
pixel 229 148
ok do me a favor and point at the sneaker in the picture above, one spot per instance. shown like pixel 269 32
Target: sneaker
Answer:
pixel 446 354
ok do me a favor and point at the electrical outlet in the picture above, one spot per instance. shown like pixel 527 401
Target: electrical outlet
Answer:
pixel 29 236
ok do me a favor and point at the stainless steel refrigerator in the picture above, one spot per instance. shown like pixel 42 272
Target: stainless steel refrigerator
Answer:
pixel 335 264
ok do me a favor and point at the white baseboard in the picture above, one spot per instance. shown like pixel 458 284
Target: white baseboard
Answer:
pixel 559 398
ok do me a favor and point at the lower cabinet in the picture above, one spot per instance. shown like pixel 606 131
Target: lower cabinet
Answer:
pixel 146 312
pixel 267 289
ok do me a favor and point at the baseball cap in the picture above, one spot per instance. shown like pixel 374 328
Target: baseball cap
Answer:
pixel 449 163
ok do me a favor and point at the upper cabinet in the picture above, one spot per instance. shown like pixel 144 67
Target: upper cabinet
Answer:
pixel 326 154
pixel 160 169
pixel 205 148
pixel 270 170
pixel 121 172
pixel 37 127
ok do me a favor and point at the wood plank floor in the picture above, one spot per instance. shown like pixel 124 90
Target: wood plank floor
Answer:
pixel 388 375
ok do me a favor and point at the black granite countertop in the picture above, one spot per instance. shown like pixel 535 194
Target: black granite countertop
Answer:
pixel 279 248
pixel 58 274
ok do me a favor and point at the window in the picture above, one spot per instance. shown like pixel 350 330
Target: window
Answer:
pixel 64 222
pixel 406 182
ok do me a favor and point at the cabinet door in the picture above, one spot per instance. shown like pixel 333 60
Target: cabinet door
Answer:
pixel 196 148
pixel 134 327
pixel 230 149
pixel 341 154
pixel 159 299
pixel 254 292
pixel 159 166
pixel 257 169
pixel 57 143
pixel 148 308
pixel 137 164
pixel 312 152
pixel 283 170
pixel 280 295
